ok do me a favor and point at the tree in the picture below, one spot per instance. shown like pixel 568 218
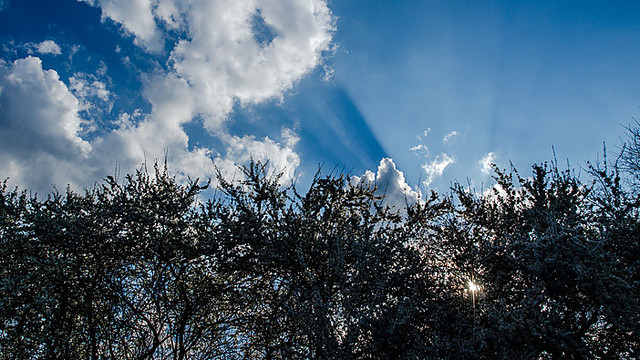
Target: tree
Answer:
pixel 552 266
pixel 329 274
pixel 538 267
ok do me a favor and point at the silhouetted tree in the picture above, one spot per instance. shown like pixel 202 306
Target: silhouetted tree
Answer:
pixel 534 268
pixel 551 257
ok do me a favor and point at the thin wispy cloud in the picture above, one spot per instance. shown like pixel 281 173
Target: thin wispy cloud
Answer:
pixel 423 135
pixel 420 149
pixel 450 136
pixel 486 162
pixel 435 168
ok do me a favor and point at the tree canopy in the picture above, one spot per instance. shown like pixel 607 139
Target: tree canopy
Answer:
pixel 538 267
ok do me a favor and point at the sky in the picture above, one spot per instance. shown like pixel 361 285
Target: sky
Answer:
pixel 411 95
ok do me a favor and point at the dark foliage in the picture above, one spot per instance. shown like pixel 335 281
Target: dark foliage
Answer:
pixel 142 270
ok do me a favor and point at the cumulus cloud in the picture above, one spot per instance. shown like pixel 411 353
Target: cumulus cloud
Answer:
pixel 218 61
pixel 281 156
pixel 224 61
pixel 494 193
pixel 486 162
pixel 39 139
pixel 224 58
pixel 41 143
pixel 450 136
pixel 41 126
pixel 136 19
pixel 436 167
pixel 144 137
pixel 222 53
pixel 391 183
pixel 48 47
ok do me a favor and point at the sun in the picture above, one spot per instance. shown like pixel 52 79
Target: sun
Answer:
pixel 472 286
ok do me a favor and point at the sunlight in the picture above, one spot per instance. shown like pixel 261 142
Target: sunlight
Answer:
pixel 473 287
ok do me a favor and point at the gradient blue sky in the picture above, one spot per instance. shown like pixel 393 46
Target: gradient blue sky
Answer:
pixel 437 86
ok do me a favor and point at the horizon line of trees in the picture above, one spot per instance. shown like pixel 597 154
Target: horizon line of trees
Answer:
pixel 539 267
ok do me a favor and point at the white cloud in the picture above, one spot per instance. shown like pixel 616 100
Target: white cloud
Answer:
pixel 368 178
pixel 93 93
pixel 222 63
pixel 40 126
pixel 90 91
pixel 436 167
pixel 494 193
pixel 225 63
pixel 140 137
pixel 221 56
pixel 167 12
pixel 48 47
pixel 420 149
pixel 84 86
pixel 486 162
pixel 217 63
pixel 281 157
pixel 450 136
pixel 73 51
pixel 391 183
pixel 40 141
pixel 424 134
pixel 136 18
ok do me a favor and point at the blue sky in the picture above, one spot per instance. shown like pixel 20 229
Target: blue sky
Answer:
pixel 437 88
